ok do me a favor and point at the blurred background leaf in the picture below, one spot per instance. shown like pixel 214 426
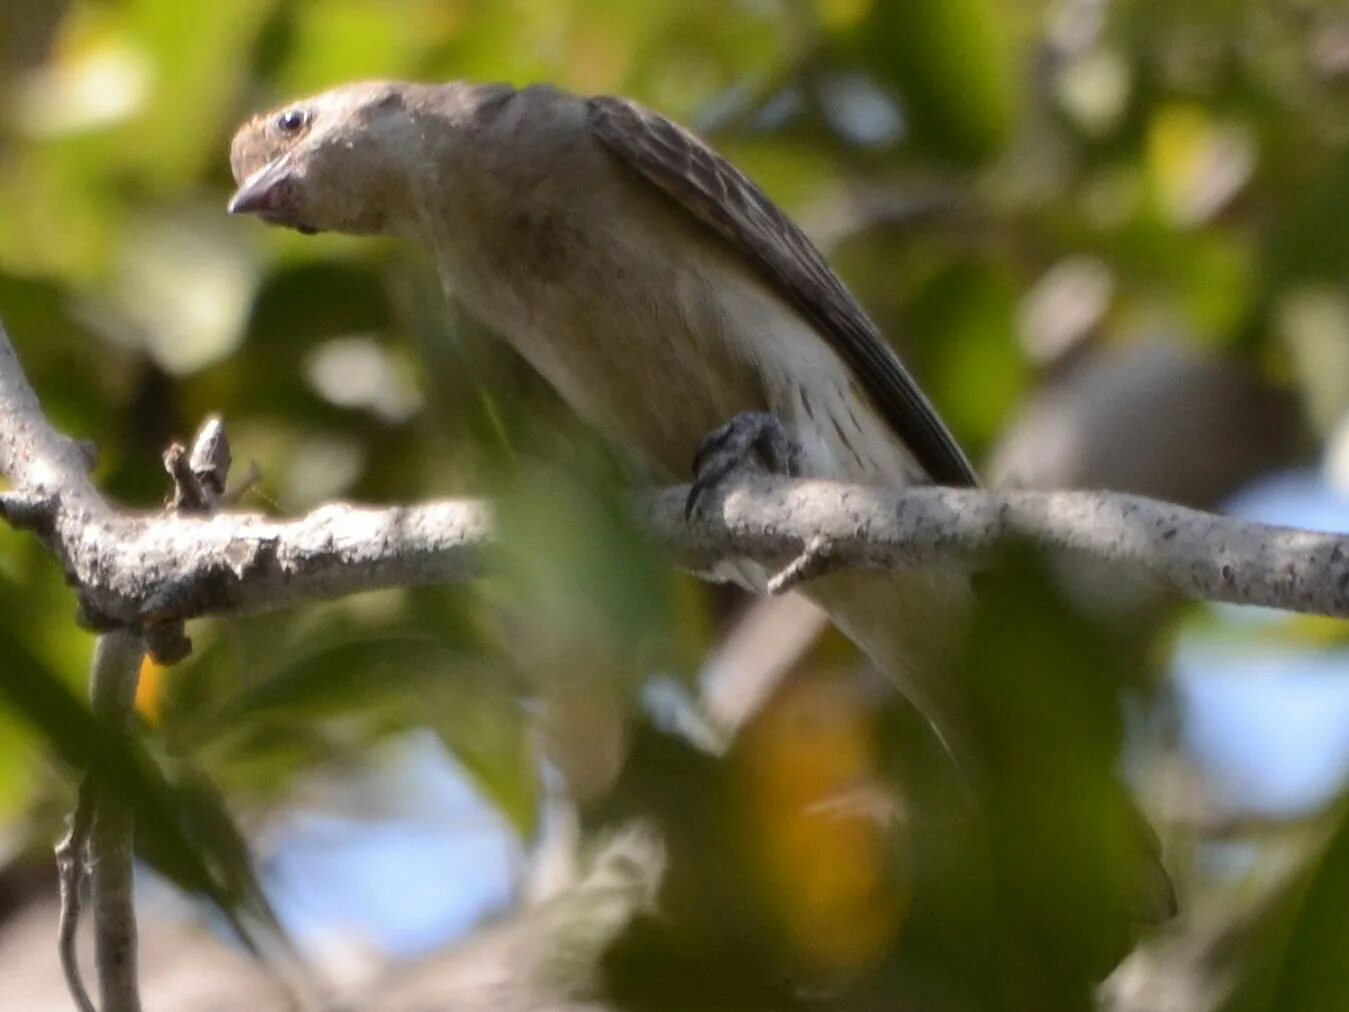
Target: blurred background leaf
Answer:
pixel 1109 237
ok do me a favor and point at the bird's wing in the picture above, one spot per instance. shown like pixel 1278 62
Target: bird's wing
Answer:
pixel 723 197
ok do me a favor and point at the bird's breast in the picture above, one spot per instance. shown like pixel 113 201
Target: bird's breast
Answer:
pixel 628 340
pixel 656 334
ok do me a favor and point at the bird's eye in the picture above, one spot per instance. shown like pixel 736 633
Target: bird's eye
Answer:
pixel 291 122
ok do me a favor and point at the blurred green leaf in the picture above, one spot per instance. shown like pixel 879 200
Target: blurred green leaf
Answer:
pixel 236 890
pixel 953 64
pixel 347 40
pixel 201 49
pixel 583 590
pixel 1313 975
pixel 1311 240
pixel 1067 846
pixel 338 677
pixel 965 320
pixel 1197 151
pixel 488 732
pixel 415 679
pixel 169 824
pixel 18 749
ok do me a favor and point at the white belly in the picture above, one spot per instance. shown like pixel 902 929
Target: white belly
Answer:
pixel 657 352
pixel 812 392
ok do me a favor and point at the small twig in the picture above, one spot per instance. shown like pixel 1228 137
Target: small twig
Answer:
pixel 199 480
pixel 815 561
pixel 102 832
pixel 235 494
pixel 71 866
pixel 199 477
pixel 116 669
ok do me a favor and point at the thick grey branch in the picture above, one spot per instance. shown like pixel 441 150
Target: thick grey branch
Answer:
pixel 1196 555
pixel 143 569
pixel 137 570
pixel 34 456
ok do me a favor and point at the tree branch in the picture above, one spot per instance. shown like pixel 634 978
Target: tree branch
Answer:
pixel 71 866
pixel 139 570
pixel 116 669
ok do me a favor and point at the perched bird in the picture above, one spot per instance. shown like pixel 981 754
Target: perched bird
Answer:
pixel 661 292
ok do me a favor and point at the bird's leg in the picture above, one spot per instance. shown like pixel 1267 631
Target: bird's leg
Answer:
pixel 750 438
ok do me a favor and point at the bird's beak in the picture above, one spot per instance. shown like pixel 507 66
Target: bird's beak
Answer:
pixel 259 194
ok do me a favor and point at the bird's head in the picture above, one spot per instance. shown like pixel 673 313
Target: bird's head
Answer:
pixel 341 161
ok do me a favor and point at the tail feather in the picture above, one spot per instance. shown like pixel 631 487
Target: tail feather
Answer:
pixel 910 625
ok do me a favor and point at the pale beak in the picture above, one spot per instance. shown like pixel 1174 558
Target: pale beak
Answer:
pixel 259 194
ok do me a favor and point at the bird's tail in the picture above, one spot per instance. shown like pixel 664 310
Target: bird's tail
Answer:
pixel 910 625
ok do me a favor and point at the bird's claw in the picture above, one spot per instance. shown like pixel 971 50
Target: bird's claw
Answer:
pixel 750 438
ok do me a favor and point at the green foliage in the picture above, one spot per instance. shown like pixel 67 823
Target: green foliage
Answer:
pixel 1194 152
pixel 955 64
pixel 182 827
pixel 1067 849
pixel 1313 976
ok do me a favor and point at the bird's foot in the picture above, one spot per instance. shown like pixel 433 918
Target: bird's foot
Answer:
pixel 750 438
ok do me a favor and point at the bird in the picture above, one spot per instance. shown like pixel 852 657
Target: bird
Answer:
pixel 670 302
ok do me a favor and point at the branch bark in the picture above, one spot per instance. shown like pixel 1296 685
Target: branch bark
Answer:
pixel 138 570
pixel 140 575
pixel 71 865
pixel 116 669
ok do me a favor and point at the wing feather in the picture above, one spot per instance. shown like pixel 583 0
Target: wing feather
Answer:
pixel 721 196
